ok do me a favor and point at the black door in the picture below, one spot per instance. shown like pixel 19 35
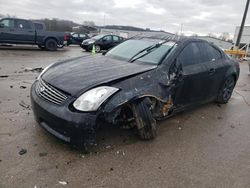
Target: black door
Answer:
pixel 116 40
pixel 24 31
pixel 217 67
pixel 195 85
pixel 107 42
pixel 7 30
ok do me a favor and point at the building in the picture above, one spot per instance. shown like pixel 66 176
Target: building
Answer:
pixel 245 38
pixel 129 31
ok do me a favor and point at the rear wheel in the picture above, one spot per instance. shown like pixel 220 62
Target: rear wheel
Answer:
pixel 51 45
pixel 146 124
pixel 226 91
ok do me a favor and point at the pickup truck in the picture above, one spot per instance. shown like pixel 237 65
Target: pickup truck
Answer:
pixel 20 31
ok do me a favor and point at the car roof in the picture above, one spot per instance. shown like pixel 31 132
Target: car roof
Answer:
pixel 174 38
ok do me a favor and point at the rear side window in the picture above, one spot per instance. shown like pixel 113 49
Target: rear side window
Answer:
pixel 82 35
pixel 208 52
pixel 22 24
pixel 38 26
pixel 190 55
pixel 8 23
pixel 115 38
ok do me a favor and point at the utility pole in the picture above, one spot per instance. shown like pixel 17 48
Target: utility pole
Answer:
pixel 242 25
pixel 104 20
pixel 181 28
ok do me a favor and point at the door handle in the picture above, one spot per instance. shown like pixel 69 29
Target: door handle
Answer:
pixel 211 71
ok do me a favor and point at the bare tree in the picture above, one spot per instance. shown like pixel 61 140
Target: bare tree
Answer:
pixel 224 36
pixel 89 23
pixel 211 35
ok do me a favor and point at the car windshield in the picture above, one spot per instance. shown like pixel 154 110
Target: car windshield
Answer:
pixel 97 37
pixel 137 50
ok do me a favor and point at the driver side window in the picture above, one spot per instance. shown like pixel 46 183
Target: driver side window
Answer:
pixel 189 55
pixel 9 23
pixel 107 38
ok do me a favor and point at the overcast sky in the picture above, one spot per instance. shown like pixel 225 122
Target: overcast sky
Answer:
pixel 198 16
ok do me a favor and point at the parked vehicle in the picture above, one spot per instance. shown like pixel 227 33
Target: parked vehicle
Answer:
pixel 136 83
pixel 20 31
pixel 101 42
pixel 77 38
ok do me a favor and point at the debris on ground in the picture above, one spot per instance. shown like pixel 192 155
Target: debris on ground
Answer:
pixel 218 105
pixel 63 182
pixel 43 154
pixel 23 87
pixel 82 156
pixel 232 126
pixel 108 147
pixel 22 103
pixel 29 69
pixel 219 117
pixel 180 128
pixel 111 169
pixel 120 153
pixel 22 151
pixel 11 86
pixel 4 76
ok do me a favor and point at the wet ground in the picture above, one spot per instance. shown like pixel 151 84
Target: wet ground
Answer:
pixel 206 147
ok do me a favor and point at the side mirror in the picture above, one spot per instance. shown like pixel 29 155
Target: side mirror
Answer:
pixel 104 40
pixel 104 52
pixel 1 25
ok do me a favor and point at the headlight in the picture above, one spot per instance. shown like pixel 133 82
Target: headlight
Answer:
pixel 92 99
pixel 91 42
pixel 44 70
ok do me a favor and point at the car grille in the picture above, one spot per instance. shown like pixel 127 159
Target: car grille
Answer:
pixel 49 93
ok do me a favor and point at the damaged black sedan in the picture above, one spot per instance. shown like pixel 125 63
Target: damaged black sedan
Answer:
pixel 136 83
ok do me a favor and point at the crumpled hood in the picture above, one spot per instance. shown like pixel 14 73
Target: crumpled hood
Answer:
pixel 80 74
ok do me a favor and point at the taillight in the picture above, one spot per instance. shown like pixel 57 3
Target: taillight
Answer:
pixel 65 37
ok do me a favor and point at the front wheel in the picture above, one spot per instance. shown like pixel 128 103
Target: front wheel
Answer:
pixel 226 91
pixel 145 122
pixel 97 48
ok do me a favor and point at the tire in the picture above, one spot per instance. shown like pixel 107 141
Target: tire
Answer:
pixel 41 47
pixel 51 45
pixel 226 90
pixel 60 46
pixel 97 48
pixel 145 123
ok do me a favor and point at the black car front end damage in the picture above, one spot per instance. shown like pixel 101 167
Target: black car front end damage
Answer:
pixel 141 92
pixel 53 106
pixel 79 128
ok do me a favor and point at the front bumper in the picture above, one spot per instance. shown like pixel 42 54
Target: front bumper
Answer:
pixel 86 46
pixel 78 129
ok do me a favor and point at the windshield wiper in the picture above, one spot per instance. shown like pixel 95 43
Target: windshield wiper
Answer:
pixel 148 50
